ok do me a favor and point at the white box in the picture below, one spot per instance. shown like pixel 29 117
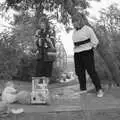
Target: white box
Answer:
pixel 40 97
pixel 40 92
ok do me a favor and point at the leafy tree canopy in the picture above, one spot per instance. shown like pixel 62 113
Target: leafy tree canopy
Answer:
pixel 62 9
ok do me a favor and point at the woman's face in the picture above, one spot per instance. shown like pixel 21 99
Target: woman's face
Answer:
pixel 42 25
pixel 78 24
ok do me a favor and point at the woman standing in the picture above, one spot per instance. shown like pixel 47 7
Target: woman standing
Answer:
pixel 85 41
pixel 44 39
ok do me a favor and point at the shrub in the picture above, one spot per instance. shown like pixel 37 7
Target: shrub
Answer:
pixel 26 69
pixel 9 56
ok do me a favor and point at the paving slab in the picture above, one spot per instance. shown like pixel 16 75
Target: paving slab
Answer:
pixel 109 114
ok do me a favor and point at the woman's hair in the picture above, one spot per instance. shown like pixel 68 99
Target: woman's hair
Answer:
pixel 81 18
pixel 49 32
pixel 76 17
pixel 45 20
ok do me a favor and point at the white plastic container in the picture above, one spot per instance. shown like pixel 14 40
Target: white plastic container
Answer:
pixel 40 92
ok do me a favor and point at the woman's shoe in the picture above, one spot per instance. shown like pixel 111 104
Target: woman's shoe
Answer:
pixel 100 93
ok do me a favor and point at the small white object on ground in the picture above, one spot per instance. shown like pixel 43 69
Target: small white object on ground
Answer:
pixel 17 111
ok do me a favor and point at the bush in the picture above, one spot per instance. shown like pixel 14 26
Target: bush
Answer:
pixel 9 56
pixel 26 69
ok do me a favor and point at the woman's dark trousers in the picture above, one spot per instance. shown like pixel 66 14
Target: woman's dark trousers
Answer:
pixel 85 61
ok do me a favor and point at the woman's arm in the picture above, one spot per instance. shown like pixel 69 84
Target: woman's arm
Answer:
pixel 49 43
pixel 93 37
